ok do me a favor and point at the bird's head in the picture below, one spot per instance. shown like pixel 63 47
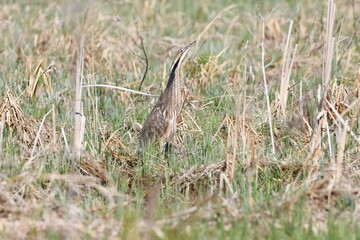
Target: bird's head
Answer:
pixel 180 57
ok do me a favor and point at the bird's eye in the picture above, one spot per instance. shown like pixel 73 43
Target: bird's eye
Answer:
pixel 181 51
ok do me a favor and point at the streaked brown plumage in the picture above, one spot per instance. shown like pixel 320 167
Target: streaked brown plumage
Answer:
pixel 161 123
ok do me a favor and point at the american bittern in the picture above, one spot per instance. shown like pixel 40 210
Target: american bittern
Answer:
pixel 161 123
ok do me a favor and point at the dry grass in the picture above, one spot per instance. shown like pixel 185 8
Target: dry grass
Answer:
pixel 267 144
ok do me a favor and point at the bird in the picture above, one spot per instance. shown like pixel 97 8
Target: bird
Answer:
pixel 160 124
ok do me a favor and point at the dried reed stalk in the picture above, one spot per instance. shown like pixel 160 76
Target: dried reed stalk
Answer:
pixel 2 125
pixel 317 134
pixel 54 125
pixel 65 140
pixel 35 78
pixel 343 122
pixel 301 98
pixel 329 137
pixel 266 91
pixel 330 40
pixel 288 62
pixel 341 141
pixel 231 165
pixel 315 148
pixel 78 116
pixel 82 126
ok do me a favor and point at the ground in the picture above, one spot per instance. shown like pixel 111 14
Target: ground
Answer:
pixel 267 145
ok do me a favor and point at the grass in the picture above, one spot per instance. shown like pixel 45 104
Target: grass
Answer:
pixel 197 191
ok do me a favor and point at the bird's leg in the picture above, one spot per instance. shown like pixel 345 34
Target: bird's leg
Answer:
pixel 167 151
pixel 168 147
pixel 141 156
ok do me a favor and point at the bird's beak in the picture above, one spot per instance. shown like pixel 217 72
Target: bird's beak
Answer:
pixel 188 46
pixel 184 50
pixel 181 55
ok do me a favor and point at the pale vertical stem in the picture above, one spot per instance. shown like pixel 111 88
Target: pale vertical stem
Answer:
pixel 285 67
pixel 329 137
pixel 97 122
pixel 266 88
pixel 77 144
pixel 317 134
pixel 287 79
pixel 321 86
pixel 77 110
pixel 340 154
pixel 329 56
pixel 82 128
pixel 54 125
pixel 301 99
pixel 2 125
pixel 329 45
pixel 235 141
pixel 243 130
pixel 329 48
pixel 288 72
pixel 65 140
pixel 318 93
pixel 286 50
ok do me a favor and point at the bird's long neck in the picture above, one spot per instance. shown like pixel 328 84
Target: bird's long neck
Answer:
pixel 173 88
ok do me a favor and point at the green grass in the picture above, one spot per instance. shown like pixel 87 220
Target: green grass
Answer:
pixel 278 197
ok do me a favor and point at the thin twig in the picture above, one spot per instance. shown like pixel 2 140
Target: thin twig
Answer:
pixel 38 133
pixel 345 50
pixel 265 83
pixel 35 156
pixel 120 88
pixel 65 140
pixel 142 47
pixel 270 63
pixel 346 125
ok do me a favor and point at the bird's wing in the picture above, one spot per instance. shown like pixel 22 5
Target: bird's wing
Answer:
pixel 156 125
